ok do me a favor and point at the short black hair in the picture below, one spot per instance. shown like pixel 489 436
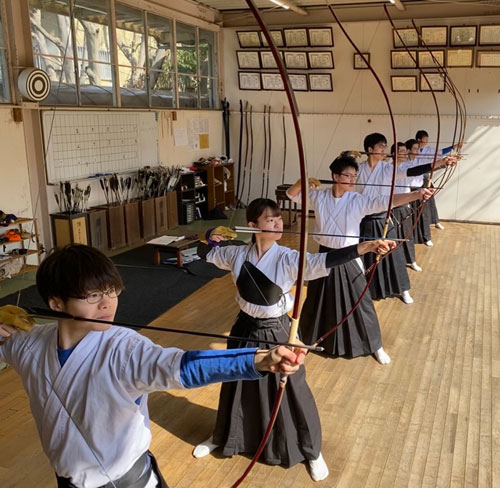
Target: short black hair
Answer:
pixel 421 134
pixel 400 144
pixel 372 139
pixel 257 207
pixel 75 270
pixel 343 162
pixel 410 143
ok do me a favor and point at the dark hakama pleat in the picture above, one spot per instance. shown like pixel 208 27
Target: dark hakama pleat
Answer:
pixel 328 301
pixel 434 216
pixel 403 221
pixel 422 231
pixel 391 277
pixel 245 406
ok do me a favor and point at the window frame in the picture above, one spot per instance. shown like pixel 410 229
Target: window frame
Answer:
pixel 212 93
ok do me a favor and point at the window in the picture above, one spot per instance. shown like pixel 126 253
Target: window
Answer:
pixel 131 43
pixel 187 65
pixel 161 61
pixel 196 67
pixel 208 69
pixel 53 48
pixel 4 75
pixel 149 71
pixel 93 55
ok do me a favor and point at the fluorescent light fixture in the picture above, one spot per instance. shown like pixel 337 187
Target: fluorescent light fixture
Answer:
pixel 277 2
pixel 397 4
pixel 289 6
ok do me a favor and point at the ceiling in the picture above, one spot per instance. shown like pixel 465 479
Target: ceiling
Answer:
pixel 236 13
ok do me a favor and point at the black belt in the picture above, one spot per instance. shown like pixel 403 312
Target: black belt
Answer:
pixel 376 216
pixel 136 477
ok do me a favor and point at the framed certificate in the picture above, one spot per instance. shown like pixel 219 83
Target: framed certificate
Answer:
pixel 267 60
pixel 460 58
pixel 249 39
pixel 489 35
pixel 435 35
pixel 404 83
pixel 277 35
pixel 272 81
pixel 463 35
pixel 296 37
pixel 408 35
pixel 488 59
pixel 403 59
pixel 249 81
pixel 359 62
pixel 431 59
pixel 321 82
pixel 299 82
pixel 435 80
pixel 248 59
pixel 320 36
pixel 320 60
pixel 296 59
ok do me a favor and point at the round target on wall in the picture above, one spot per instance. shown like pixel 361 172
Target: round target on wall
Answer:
pixel 34 84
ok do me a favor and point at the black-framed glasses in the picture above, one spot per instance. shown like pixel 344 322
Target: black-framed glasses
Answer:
pixel 351 177
pixel 97 296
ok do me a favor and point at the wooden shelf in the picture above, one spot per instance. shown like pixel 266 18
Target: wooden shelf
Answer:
pixel 18 256
pixel 31 236
pixel 20 220
pixel 21 243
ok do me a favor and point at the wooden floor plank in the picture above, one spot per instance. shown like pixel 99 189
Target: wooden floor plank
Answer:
pixel 430 418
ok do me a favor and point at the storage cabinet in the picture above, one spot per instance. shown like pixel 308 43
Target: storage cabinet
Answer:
pixel 220 180
pixel 13 252
pixel 186 197
pixel 69 228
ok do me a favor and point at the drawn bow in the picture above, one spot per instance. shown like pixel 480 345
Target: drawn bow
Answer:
pixel 303 227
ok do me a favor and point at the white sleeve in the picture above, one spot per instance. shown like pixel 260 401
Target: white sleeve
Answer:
pixel 313 193
pixel 148 367
pixel 369 205
pixel 223 256
pixel 315 265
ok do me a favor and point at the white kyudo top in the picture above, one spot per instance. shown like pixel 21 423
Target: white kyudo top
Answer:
pixel 382 175
pixel 87 409
pixel 280 264
pixel 341 216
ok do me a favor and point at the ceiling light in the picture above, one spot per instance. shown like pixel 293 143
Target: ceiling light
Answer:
pixel 277 2
pixel 398 4
pixel 289 6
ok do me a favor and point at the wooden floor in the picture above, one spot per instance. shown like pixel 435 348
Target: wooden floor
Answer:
pixel 429 419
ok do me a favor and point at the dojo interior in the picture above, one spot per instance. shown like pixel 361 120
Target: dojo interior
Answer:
pixel 155 86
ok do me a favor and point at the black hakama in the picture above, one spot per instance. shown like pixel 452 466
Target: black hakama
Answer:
pixel 434 216
pixel 391 277
pixel 329 300
pixel 245 406
pixel 422 231
pixel 402 218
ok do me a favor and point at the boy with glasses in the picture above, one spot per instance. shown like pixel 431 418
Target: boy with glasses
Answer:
pixel 88 382
pixel 339 211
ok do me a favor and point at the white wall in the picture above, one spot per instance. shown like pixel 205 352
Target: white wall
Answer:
pixel 14 177
pixel 339 120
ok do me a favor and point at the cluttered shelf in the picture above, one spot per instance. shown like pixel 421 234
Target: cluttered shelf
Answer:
pixel 14 261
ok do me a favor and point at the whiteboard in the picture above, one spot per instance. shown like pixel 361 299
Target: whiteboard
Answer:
pixel 81 144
